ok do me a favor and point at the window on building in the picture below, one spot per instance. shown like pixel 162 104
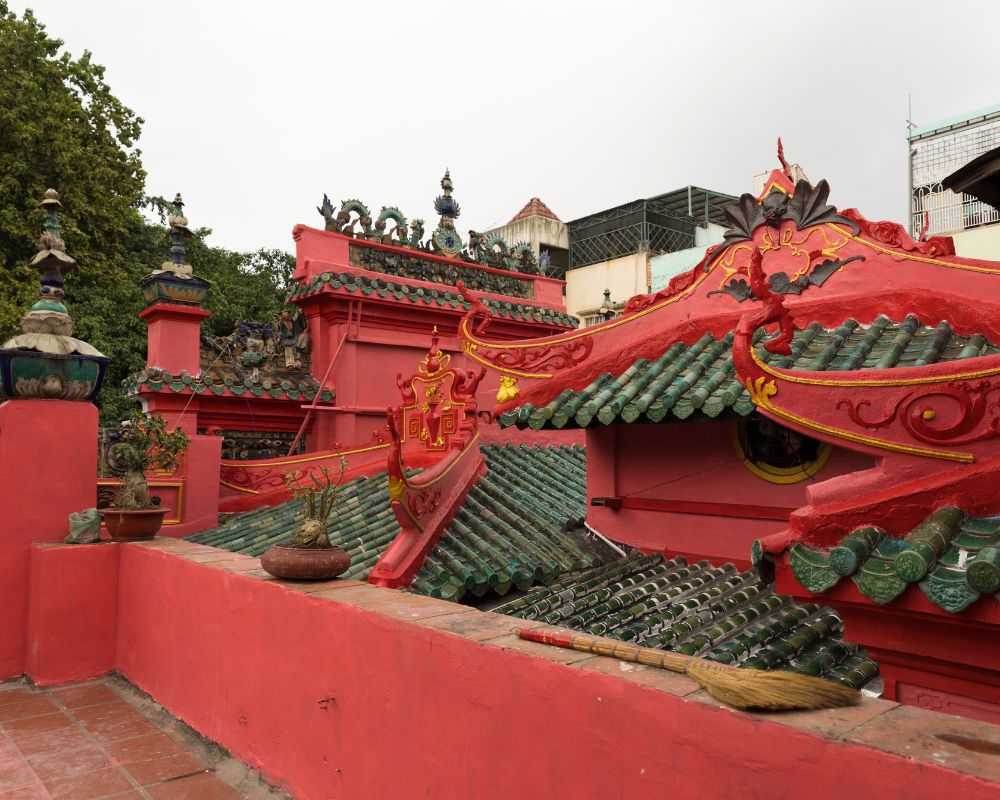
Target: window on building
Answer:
pixel 776 453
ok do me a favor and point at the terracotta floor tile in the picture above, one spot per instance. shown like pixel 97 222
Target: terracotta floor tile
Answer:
pixel 105 711
pixel 113 730
pixel 67 764
pixel 31 707
pixel 90 694
pixel 90 785
pixel 36 792
pixel 164 768
pixel 143 748
pixel 16 694
pixel 14 776
pixel 60 741
pixel 8 752
pixel 29 727
pixel 197 787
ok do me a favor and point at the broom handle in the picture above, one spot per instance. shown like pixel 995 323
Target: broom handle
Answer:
pixel 673 662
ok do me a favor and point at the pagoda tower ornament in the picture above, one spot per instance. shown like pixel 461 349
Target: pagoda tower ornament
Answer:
pixel 175 282
pixel 446 239
pixel 45 360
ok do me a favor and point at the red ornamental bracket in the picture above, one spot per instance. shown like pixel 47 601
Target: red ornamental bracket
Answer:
pixel 530 360
pixel 946 413
pixel 439 416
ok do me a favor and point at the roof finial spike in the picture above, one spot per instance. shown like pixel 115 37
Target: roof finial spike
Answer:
pixel 51 205
pixel 178 233
pixel 781 158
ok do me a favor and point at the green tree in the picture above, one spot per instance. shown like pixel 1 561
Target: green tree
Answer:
pixel 61 127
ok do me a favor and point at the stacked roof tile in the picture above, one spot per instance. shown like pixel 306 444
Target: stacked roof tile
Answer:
pixel 688 382
pixel 512 530
pixel 351 282
pixel 718 613
pixel 363 524
pixel 954 559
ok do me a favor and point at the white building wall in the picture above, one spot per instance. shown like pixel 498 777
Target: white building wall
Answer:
pixel 665 266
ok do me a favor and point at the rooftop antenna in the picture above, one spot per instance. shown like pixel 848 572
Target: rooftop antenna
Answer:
pixel 909 161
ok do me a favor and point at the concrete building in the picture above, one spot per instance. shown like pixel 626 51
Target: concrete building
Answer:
pixel 538 225
pixel 936 151
pixel 626 250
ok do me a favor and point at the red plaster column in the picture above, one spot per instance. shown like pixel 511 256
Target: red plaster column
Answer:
pixel 174 337
pixel 48 464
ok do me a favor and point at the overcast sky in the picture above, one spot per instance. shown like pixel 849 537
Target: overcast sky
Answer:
pixel 254 109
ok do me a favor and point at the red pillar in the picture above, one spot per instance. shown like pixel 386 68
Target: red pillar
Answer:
pixel 48 460
pixel 174 337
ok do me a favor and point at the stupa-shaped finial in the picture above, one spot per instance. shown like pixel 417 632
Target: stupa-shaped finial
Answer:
pixel 48 327
pixel 446 239
pixel 175 282
pixel 179 231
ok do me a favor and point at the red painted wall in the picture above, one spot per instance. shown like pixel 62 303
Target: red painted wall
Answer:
pixel 692 462
pixel 72 612
pixel 48 459
pixel 337 700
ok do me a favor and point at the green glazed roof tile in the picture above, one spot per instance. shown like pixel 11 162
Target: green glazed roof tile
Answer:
pixel 954 559
pixel 718 613
pixel 699 381
pixel 351 283
pixel 514 530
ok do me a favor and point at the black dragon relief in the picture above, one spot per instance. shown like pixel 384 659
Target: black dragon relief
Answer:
pixel 781 284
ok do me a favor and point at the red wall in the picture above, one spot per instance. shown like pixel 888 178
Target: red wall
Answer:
pixel 357 691
pixel 692 462
pixel 72 612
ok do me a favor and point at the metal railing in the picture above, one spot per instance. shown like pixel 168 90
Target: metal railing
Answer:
pixel 954 217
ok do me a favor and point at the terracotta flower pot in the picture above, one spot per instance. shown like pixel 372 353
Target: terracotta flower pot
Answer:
pixel 312 564
pixel 130 526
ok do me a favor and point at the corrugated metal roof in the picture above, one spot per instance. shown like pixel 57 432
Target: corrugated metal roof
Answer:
pixel 944 125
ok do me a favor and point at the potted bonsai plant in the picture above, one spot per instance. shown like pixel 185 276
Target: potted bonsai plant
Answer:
pixel 308 555
pixel 145 444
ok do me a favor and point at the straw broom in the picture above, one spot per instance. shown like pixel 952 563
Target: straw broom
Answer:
pixel 738 687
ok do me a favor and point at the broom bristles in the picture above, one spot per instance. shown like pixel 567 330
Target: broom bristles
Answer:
pixel 738 687
pixel 770 691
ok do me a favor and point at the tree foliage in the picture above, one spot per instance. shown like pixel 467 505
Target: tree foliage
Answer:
pixel 62 127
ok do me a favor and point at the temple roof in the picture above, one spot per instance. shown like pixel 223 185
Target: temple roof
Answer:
pixel 534 208
pixel 698 381
pixel 954 559
pixel 717 613
pixel 217 382
pixel 492 544
pixel 350 282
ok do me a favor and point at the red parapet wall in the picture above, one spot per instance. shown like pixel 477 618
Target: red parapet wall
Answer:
pixel 350 690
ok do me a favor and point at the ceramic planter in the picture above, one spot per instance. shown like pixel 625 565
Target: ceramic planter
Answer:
pixel 312 564
pixel 167 288
pixel 50 376
pixel 130 526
